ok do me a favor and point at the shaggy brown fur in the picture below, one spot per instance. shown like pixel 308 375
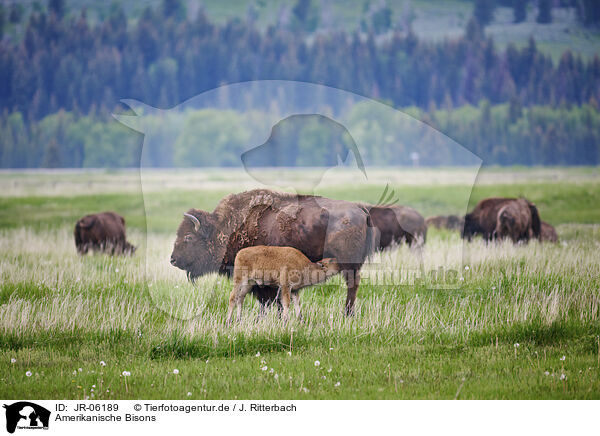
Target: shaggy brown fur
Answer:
pixel 548 233
pixel 397 224
pixel 484 218
pixel 104 232
pixel 285 268
pixel 318 227
pixel 514 221
pixel 449 222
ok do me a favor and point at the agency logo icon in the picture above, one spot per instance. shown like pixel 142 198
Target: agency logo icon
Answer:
pixel 26 415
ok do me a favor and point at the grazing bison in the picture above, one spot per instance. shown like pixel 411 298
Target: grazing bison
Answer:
pixel 483 219
pixel 319 227
pixel 515 221
pixel 396 224
pixel 449 222
pixel 104 232
pixel 548 233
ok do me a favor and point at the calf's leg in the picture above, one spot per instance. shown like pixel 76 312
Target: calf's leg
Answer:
pixel 285 301
pixel 352 278
pixel 296 300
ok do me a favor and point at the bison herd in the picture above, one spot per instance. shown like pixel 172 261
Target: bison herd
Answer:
pixel 304 235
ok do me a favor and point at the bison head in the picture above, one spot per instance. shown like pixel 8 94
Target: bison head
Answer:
pixel 197 249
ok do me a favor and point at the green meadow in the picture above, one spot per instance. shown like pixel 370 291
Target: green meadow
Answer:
pixel 520 322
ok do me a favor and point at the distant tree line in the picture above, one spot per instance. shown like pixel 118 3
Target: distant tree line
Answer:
pixel 504 134
pixel 163 59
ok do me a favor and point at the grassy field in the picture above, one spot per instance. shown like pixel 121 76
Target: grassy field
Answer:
pixel 522 323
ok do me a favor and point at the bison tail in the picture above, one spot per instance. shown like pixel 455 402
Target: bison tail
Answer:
pixel 536 222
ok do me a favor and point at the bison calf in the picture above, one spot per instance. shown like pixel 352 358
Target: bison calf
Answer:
pixel 285 268
pixel 103 232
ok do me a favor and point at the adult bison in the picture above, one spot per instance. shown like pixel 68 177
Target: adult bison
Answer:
pixel 548 233
pixel 104 232
pixel 397 224
pixel 515 221
pixel 319 227
pixel 483 220
pixel 449 222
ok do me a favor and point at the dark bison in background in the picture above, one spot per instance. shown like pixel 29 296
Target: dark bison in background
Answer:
pixel 483 220
pixel 449 222
pixel 548 233
pixel 515 221
pixel 319 227
pixel 397 224
pixel 102 232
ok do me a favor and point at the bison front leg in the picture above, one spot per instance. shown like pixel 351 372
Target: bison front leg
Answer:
pixel 236 299
pixel 352 278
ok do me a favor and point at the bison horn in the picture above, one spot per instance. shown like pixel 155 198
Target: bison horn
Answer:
pixel 194 220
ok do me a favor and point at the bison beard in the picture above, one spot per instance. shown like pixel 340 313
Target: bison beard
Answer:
pixel 318 227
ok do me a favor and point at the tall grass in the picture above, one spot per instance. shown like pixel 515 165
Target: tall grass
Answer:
pixel 506 320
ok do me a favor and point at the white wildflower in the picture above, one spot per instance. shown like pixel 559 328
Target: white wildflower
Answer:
pixel 317 363
pixel 13 360
pixel 126 373
pixel 175 371
pixel 337 384
pixel 257 354
pixel 28 373
pixel 102 363
pixel 264 368
pixel 189 394
pixel 563 358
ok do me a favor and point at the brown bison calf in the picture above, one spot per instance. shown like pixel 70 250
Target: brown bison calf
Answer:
pixel 285 268
pixel 102 232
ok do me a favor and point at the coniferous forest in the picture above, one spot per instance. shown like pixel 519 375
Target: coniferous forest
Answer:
pixel 63 75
